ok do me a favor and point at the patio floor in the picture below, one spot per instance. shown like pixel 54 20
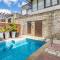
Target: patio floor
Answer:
pixel 47 56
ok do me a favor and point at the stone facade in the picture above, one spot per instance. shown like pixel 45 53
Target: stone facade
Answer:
pixel 50 23
pixel 9 19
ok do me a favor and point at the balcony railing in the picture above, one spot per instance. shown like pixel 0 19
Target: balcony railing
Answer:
pixel 54 4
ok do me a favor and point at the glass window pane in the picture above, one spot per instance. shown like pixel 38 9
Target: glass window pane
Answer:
pixel 54 2
pixel 29 11
pixel 24 12
pixel 59 1
pixel 2 20
pixel 40 4
pixel 34 5
pixel 48 3
pixel 9 20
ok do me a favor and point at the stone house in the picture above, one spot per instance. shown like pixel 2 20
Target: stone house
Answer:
pixel 6 19
pixel 40 18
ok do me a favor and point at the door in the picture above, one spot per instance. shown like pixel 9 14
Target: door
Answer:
pixel 29 27
pixel 38 28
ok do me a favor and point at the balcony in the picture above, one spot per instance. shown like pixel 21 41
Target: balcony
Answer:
pixel 57 7
pixel 41 6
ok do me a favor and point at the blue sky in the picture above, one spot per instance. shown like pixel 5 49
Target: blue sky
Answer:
pixel 11 5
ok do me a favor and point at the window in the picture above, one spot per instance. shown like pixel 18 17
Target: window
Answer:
pixel 24 12
pixel 40 4
pixel 34 5
pixel 58 1
pixel 47 3
pixel 2 20
pixel 9 20
pixel 54 2
pixel 29 11
pixel 29 27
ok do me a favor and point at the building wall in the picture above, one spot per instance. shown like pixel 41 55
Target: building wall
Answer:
pixel 56 22
pixel 42 4
pixel 50 23
pixel 46 10
pixel 4 22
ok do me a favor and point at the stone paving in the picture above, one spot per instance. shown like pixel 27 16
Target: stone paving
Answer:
pixel 47 56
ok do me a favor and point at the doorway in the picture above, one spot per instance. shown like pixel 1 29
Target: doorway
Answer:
pixel 38 28
pixel 29 27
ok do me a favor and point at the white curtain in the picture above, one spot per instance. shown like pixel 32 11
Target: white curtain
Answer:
pixel 29 11
pixel 34 5
pixel 54 2
pixel 47 3
pixel 40 4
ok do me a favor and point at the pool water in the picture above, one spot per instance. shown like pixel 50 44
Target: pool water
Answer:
pixel 19 50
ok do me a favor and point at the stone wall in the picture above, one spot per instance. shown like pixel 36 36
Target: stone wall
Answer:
pixel 50 23
pixel 56 24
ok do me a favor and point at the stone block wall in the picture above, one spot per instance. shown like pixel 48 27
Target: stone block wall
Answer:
pixel 51 26
pixel 50 23
pixel 56 24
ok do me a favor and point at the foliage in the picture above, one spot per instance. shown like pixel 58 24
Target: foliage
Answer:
pixel 2 30
pixel 12 27
pixel 9 27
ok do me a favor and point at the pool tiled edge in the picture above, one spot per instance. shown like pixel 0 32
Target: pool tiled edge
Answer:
pixel 38 52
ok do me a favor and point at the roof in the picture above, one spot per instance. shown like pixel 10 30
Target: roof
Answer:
pixel 27 6
pixel 3 15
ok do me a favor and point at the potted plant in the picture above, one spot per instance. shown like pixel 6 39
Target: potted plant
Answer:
pixel 7 28
pixel 1 32
pixel 13 29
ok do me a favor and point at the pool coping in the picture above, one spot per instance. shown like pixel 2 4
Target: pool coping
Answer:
pixel 38 52
pixel 25 36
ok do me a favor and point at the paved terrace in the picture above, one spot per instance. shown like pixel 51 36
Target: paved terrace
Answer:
pixel 44 56
pixel 47 56
pixel 41 54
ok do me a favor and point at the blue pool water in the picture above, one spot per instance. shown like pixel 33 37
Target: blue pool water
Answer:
pixel 19 50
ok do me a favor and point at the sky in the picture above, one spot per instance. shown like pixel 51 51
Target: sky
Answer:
pixel 11 6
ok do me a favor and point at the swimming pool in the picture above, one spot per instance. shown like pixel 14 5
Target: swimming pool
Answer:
pixel 20 50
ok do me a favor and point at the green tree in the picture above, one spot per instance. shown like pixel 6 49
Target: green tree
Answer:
pixel 13 27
